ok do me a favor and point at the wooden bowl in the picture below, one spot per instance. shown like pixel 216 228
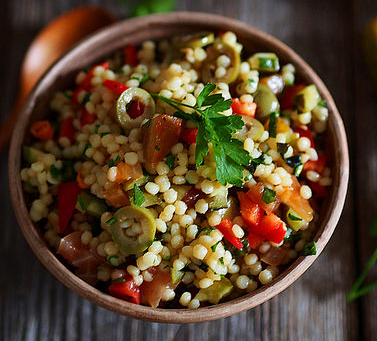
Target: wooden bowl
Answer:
pixel 155 27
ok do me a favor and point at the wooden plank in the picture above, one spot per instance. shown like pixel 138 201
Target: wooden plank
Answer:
pixel 312 309
pixel 365 156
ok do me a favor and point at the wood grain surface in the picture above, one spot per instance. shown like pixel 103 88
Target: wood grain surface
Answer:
pixel 35 306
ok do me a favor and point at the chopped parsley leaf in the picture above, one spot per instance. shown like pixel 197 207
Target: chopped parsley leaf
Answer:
pixel 293 217
pixel 310 249
pixel 221 260
pixel 138 196
pixel 273 123
pixel 157 147
pixel 111 221
pixel 170 161
pixel 268 196
pixel 96 129
pixel 113 163
pixel 81 202
pixel 86 98
pixel 214 246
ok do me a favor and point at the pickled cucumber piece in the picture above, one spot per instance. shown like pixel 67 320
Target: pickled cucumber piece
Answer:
pixel 217 291
pixel 195 40
pixel 265 62
pixel 91 204
pixel 130 97
pixel 210 65
pixel 266 101
pixel 31 154
pixel 134 229
pixel 294 221
pixel 307 99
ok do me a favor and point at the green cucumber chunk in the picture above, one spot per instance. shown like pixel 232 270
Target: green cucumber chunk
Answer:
pixel 217 291
pixel 91 204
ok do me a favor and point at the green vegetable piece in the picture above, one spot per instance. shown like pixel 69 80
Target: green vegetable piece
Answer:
pixel 138 182
pixel 195 40
pixel 307 99
pixel 176 276
pixel 170 161
pixel 272 125
pixel 91 204
pixel 231 210
pixel 218 201
pixel 294 221
pixel 268 196
pixel 132 95
pixel 255 128
pixel 265 62
pixel 310 249
pixel 127 217
pixel 150 200
pixel 31 154
pixel 266 101
pixel 138 196
pixel 217 291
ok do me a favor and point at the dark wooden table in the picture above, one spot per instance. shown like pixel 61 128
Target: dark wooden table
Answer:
pixel 35 306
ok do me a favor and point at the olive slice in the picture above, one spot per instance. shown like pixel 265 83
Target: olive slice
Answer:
pixel 134 229
pixel 209 64
pixel 131 96
pixel 254 128
pixel 266 101
pixel 195 40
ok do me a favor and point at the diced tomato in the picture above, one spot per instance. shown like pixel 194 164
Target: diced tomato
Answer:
pixel 318 190
pixel 67 199
pixel 67 130
pixel 305 133
pixel 130 55
pixel 87 118
pixel 292 198
pixel 192 196
pixel 255 193
pixel 115 195
pixel 288 96
pixel 115 86
pixel 243 108
pixel 161 135
pixel 125 289
pixel 75 95
pixel 317 166
pixel 42 130
pixel 251 212
pixel 188 135
pixel 86 83
pixel 254 240
pixel 152 292
pixel 225 227
pixel 136 109
pixel 126 172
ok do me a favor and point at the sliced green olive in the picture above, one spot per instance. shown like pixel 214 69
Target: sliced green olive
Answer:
pixel 210 65
pixel 265 62
pixel 195 40
pixel 307 99
pixel 150 200
pixel 266 101
pixel 134 229
pixel 130 97
pixel 254 127
pixel 217 291
pixel 231 210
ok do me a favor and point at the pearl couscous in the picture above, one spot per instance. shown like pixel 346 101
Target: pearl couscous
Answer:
pixel 180 173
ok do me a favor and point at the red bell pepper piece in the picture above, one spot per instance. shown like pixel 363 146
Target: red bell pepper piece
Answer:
pixel 87 118
pixel 267 224
pixel 67 130
pixel 86 83
pixel 288 96
pixel 42 130
pixel 126 289
pixel 277 235
pixel 251 212
pixel 115 86
pixel 130 55
pixel 243 108
pixel 75 95
pixel 254 240
pixel 136 109
pixel 188 135
pixel 67 199
pixel 318 190
pixel 225 227
pixel 317 166
pixel 305 133
pixel 192 196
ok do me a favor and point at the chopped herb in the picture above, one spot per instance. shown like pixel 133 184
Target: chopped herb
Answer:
pixel 214 246
pixel 118 280
pixel 167 258
pixel 145 77
pixel 96 129
pixel 322 103
pixel 298 170
pixel 148 123
pixel 207 230
pixel 222 275
pixel 293 161
pixel 157 147
pixel 67 94
pixel 273 123
pixel 81 202
pixel 293 217
pixel 111 260
pixel 44 170
pixel 170 161
pixel 103 134
pixel 86 98
pixel 138 196
pixel 268 195
pixel 54 171
pixel 292 236
pixel 282 148
pixel 111 221
pixel 310 249
pixel 221 260
pixel 113 163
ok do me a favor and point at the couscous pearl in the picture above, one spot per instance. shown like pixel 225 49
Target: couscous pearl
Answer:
pixel 238 231
pixel 305 192
pixel 214 219
pixel 178 264
pixel 201 206
pixel 162 168
pixel 152 188
pixel 242 282
pixel 250 259
pixel 207 186
pixel 265 276
pixel 177 241
pixel 180 207
pixel 312 176
pixel 205 283
pixel 199 251
pixel 185 299
pixel 303 143
pixel 131 158
pixel 133 270
pixel 194 304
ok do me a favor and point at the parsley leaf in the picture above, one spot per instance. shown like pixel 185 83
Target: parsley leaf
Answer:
pixel 113 163
pixel 208 88
pixel 310 249
pixel 54 171
pixel 293 217
pixel 143 79
pixel 111 221
pixel 214 246
pixel 138 197
pixel 81 202
pixel 170 161
pixel 268 195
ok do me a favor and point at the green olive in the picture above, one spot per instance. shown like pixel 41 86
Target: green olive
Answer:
pixel 217 291
pixel 254 128
pixel 266 101
pixel 307 99
pixel 133 230
pixel 133 95
pixel 195 40
pixel 210 65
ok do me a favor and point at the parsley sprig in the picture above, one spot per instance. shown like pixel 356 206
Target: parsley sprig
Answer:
pixel 215 129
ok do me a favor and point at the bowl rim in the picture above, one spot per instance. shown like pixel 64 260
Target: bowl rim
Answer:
pixel 69 279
